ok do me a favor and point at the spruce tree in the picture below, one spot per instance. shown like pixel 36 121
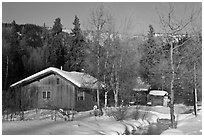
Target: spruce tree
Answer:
pixel 56 45
pixel 151 57
pixel 57 27
pixel 76 53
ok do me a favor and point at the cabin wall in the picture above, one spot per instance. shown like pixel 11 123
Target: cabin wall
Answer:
pixel 139 97
pixel 88 102
pixel 62 93
pixel 156 100
pixel 65 95
pixel 25 97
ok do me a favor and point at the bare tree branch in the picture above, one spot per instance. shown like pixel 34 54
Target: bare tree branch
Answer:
pixel 173 26
pixel 179 63
pixel 182 43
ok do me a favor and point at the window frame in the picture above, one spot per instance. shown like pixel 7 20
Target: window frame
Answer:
pixel 46 94
pixel 80 95
pixel 48 97
pixel 58 81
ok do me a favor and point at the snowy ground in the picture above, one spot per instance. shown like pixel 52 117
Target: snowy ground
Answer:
pixel 190 125
pixel 86 124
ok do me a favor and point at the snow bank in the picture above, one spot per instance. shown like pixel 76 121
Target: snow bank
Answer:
pixel 190 125
pixel 103 125
pixel 152 119
pixel 172 132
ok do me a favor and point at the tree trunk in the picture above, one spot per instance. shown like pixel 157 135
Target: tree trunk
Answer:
pixel 116 88
pixel 98 99
pixel 106 99
pixel 7 114
pixel 98 71
pixel 104 80
pixel 195 92
pixel 7 63
pixel 116 98
pixel 172 89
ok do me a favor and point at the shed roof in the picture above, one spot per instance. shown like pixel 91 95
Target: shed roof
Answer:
pixel 80 79
pixel 158 92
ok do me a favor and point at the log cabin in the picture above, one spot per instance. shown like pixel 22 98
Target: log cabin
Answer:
pixel 54 88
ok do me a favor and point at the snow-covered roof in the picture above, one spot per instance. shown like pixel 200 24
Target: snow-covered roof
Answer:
pixel 158 92
pixel 80 79
pixel 140 89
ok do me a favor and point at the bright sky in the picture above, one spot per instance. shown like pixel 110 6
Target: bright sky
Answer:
pixel 142 14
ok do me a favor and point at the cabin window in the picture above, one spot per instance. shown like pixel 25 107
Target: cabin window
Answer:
pixel 46 94
pixel 57 80
pixel 80 95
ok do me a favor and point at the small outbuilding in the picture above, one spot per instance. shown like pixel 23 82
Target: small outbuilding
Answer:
pixel 55 88
pixel 156 97
pixel 139 92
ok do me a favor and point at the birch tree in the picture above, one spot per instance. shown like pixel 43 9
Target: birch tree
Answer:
pixel 173 27
pixel 98 22
pixel 114 52
pixel 111 36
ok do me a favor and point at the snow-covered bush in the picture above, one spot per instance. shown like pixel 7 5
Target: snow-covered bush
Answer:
pixel 120 113
pixel 136 113
pixel 108 111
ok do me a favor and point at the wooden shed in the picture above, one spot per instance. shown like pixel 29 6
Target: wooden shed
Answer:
pixel 139 96
pixel 156 97
pixel 54 88
pixel 140 92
